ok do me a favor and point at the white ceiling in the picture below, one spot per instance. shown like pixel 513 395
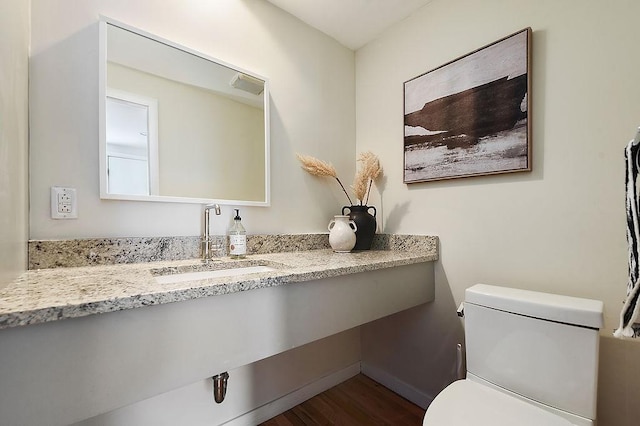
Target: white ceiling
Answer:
pixel 353 23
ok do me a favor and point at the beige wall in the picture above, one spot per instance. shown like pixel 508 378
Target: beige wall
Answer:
pixel 560 228
pixel 312 105
pixel 14 54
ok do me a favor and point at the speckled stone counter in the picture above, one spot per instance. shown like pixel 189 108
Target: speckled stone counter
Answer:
pixel 108 251
pixel 54 294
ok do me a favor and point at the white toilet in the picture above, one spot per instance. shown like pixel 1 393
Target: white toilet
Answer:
pixel 532 360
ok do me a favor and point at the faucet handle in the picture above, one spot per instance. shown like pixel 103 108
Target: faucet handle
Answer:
pixel 217 247
pixel 211 248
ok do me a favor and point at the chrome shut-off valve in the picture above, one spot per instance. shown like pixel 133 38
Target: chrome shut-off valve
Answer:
pixel 220 386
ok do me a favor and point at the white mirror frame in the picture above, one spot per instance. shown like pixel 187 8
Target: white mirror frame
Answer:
pixel 102 127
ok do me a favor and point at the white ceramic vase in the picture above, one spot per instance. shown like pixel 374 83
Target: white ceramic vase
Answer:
pixel 342 234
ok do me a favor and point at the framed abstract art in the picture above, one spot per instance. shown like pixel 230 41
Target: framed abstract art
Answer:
pixel 470 117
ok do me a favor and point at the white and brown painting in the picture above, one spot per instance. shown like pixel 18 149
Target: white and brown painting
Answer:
pixel 470 117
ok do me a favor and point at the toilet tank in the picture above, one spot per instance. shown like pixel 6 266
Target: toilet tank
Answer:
pixel 538 345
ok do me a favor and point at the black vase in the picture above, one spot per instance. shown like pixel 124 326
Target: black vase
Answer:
pixel 366 224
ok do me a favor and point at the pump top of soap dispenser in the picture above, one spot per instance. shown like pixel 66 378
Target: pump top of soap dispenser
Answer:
pixel 237 227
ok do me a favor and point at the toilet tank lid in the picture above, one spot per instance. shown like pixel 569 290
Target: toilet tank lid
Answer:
pixel 552 307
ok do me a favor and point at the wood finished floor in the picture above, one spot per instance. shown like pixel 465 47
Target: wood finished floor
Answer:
pixel 357 401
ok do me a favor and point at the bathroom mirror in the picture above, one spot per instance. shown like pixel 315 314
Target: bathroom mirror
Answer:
pixel 177 125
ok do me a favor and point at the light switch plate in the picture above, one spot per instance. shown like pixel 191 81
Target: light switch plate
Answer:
pixel 63 203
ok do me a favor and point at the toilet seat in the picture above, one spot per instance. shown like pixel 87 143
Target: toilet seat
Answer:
pixel 469 403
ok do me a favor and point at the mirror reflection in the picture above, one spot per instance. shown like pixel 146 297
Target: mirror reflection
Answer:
pixel 131 140
pixel 179 126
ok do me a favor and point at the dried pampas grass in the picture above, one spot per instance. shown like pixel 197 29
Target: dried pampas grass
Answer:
pixel 317 167
pixel 320 168
pixel 360 185
pixel 369 171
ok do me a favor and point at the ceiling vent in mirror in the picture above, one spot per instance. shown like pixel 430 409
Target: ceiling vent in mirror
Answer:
pixel 247 83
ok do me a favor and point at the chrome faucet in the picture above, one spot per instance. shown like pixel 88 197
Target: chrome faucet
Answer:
pixel 206 244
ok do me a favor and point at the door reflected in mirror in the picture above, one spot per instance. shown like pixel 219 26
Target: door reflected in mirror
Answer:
pixel 132 144
pixel 178 126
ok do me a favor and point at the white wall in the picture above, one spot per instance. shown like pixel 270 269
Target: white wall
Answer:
pixel 560 228
pixel 14 51
pixel 313 112
pixel 312 107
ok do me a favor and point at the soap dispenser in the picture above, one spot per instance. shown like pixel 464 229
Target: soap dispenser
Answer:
pixel 237 238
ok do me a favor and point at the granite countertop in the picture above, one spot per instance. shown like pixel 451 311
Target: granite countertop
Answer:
pixel 46 295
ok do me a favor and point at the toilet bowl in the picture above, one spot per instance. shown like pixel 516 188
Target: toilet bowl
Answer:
pixel 468 403
pixel 532 360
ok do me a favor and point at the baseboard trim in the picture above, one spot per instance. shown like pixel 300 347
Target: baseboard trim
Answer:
pixel 403 389
pixel 298 396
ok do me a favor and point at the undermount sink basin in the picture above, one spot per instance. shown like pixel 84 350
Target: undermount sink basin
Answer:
pixel 207 271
